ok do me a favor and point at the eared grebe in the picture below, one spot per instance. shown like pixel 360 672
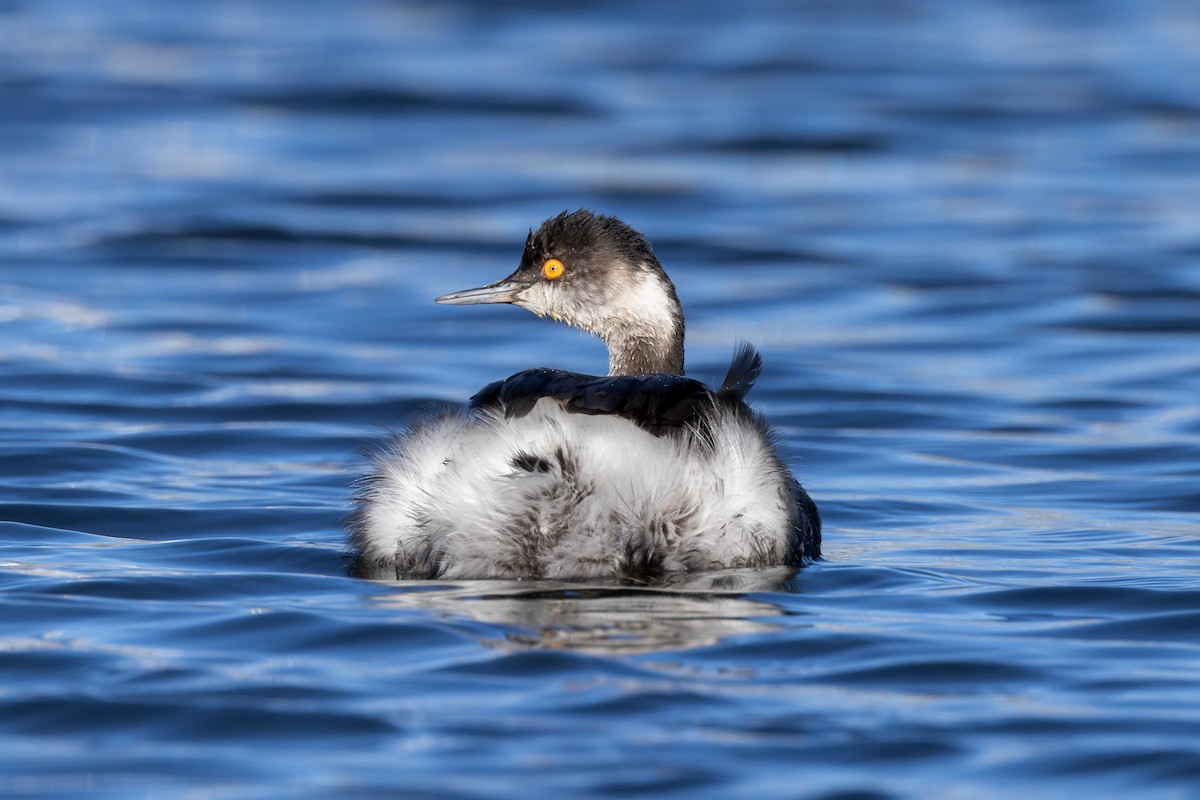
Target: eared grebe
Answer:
pixel 552 474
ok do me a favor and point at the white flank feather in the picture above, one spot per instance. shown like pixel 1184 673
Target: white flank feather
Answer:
pixel 447 500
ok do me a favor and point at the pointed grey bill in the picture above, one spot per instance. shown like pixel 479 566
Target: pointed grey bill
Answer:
pixel 505 291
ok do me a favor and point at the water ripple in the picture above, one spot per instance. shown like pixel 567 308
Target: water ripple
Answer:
pixel 965 237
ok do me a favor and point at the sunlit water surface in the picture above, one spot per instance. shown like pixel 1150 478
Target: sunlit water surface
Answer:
pixel 966 238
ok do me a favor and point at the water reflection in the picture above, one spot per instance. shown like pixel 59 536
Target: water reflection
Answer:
pixel 681 612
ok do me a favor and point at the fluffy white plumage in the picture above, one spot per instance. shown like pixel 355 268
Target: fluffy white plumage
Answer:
pixel 604 498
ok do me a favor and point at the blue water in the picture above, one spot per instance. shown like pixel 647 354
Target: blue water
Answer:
pixel 966 237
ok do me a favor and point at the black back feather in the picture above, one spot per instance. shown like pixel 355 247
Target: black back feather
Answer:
pixel 743 372
pixel 657 403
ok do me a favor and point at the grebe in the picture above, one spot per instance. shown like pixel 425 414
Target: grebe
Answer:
pixel 557 475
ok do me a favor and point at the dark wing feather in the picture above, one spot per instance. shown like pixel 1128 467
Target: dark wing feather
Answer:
pixel 657 403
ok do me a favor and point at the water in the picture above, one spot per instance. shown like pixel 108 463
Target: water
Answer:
pixel 966 238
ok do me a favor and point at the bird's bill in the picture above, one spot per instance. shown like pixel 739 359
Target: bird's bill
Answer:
pixel 505 291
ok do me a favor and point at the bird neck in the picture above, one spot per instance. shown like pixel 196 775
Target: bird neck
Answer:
pixel 645 333
pixel 631 354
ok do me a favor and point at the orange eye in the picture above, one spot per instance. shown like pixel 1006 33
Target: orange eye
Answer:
pixel 552 268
